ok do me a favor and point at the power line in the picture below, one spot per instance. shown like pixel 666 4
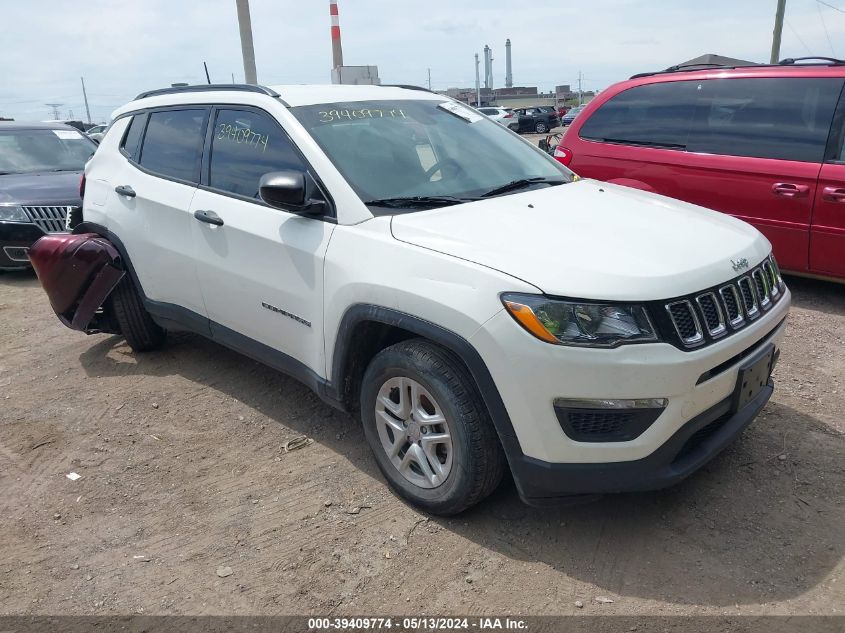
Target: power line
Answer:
pixel 824 25
pixel 830 6
pixel 795 33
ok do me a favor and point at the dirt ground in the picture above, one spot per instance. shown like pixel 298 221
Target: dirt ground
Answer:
pixel 183 472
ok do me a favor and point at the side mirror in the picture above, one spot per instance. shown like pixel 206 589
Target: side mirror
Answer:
pixel 291 191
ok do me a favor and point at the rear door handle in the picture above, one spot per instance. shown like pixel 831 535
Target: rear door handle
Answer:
pixel 125 190
pixel 834 194
pixel 209 217
pixel 789 190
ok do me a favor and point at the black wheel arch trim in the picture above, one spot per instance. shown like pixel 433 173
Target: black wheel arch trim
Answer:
pixel 363 312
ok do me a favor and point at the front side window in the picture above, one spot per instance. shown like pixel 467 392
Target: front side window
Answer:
pixel 423 148
pixel 659 115
pixel 246 145
pixel 173 143
pixel 25 151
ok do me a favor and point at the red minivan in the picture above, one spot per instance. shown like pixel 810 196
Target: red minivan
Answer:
pixel 763 143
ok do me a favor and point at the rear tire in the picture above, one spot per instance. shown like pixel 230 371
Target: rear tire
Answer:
pixel 541 128
pixel 470 463
pixel 136 324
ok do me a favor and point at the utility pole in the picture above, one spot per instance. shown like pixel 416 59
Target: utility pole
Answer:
pixel 775 58
pixel 85 96
pixel 247 49
pixel 477 84
pixel 429 78
pixel 55 107
pixel 580 92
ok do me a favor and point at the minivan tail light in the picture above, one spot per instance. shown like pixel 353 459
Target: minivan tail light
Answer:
pixel 563 155
pixel 508 116
pixel 82 185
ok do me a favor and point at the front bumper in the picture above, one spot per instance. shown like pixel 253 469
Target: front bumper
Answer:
pixel 693 445
pixel 15 236
pixel 698 385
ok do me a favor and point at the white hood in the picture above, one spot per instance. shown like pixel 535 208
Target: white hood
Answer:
pixel 591 240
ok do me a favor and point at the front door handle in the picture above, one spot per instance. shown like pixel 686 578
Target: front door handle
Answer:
pixel 125 190
pixel 789 190
pixel 834 194
pixel 209 217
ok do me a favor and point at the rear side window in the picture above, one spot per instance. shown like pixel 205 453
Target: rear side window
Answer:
pixel 133 135
pixel 786 119
pixel 173 143
pixel 246 145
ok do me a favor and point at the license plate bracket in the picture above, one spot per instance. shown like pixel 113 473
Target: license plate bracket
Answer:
pixel 753 376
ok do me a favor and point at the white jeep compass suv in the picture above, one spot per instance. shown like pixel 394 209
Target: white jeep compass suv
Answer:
pixel 480 306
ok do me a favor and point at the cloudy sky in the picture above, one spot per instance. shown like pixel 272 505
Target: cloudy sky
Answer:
pixel 122 47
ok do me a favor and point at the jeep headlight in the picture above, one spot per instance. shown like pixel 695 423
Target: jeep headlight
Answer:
pixel 12 213
pixel 581 323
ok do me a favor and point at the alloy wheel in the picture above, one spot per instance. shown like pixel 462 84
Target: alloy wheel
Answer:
pixel 414 432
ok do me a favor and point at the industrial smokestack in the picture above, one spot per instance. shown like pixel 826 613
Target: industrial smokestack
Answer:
pixel 337 51
pixel 508 66
pixel 488 67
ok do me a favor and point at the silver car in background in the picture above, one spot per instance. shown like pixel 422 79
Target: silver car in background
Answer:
pixel 502 115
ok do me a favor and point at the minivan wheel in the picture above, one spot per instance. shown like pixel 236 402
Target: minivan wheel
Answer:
pixel 541 128
pixel 428 428
pixel 136 324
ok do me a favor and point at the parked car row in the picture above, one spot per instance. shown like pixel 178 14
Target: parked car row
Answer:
pixel 764 143
pixel 539 119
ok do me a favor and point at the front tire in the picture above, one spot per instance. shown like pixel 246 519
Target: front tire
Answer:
pixel 429 429
pixel 136 324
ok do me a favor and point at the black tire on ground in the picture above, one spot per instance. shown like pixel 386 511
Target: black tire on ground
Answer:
pixel 541 128
pixel 136 325
pixel 478 461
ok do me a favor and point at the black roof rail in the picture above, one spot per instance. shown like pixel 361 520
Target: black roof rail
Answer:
pixel 789 61
pixel 691 68
pixel 832 61
pixel 407 87
pixel 207 88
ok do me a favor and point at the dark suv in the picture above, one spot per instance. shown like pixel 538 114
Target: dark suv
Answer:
pixel 764 143
pixel 40 169
pixel 537 120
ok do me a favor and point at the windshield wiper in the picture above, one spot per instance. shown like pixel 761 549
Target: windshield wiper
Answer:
pixel 410 202
pixel 520 184
pixel 63 169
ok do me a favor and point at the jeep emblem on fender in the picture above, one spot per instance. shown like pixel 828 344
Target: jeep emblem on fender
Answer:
pixel 739 264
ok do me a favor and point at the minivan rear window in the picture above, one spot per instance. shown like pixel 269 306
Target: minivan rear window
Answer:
pixel 787 119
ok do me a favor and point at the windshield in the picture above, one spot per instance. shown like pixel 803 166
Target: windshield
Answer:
pixel 424 149
pixel 28 151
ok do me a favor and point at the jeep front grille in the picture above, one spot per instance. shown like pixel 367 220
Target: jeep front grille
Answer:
pixel 49 219
pixel 709 315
